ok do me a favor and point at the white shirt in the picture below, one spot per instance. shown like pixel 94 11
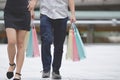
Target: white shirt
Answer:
pixel 54 9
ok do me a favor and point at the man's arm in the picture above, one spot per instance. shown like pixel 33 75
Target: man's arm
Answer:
pixel 72 10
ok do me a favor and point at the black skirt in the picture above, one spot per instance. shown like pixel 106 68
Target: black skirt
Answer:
pixel 18 21
pixel 16 15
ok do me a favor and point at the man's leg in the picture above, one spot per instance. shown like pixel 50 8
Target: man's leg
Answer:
pixel 46 38
pixel 59 38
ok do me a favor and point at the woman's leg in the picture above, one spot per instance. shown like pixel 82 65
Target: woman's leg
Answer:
pixel 11 36
pixel 20 51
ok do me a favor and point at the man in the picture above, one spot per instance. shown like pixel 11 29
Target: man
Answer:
pixel 53 24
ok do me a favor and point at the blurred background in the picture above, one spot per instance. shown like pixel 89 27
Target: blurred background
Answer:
pixel 98 21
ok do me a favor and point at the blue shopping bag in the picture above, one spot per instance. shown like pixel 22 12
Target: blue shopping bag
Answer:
pixel 29 49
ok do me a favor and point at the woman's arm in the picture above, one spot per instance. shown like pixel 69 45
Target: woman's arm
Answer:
pixel 32 4
pixel 31 7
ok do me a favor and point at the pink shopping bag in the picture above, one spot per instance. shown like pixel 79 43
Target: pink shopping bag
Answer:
pixel 33 45
pixel 36 51
pixel 75 49
pixel 72 52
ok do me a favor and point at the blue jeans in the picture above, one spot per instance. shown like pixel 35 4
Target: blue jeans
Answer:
pixel 52 31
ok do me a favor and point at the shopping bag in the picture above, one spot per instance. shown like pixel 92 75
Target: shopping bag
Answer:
pixel 79 42
pixel 29 48
pixel 75 46
pixel 26 39
pixel 33 45
pixel 69 45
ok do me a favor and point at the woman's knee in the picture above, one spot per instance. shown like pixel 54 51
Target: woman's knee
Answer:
pixel 11 42
pixel 20 44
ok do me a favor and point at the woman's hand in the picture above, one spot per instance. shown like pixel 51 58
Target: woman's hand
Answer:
pixel 32 14
pixel 31 5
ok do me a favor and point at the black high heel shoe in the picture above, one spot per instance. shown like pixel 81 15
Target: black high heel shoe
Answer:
pixel 10 74
pixel 19 76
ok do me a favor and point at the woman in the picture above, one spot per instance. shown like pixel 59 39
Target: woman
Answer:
pixel 17 22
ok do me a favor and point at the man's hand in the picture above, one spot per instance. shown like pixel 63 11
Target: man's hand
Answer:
pixel 72 18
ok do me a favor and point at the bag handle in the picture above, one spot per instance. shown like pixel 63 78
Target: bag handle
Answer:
pixel 73 26
pixel 32 24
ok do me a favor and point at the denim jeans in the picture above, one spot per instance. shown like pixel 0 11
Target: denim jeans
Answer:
pixel 52 31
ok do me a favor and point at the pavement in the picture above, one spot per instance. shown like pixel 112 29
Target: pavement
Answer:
pixel 102 63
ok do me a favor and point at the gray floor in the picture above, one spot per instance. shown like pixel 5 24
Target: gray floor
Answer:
pixel 102 63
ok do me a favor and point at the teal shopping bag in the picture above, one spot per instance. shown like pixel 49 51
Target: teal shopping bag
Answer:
pixel 29 49
pixel 79 42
